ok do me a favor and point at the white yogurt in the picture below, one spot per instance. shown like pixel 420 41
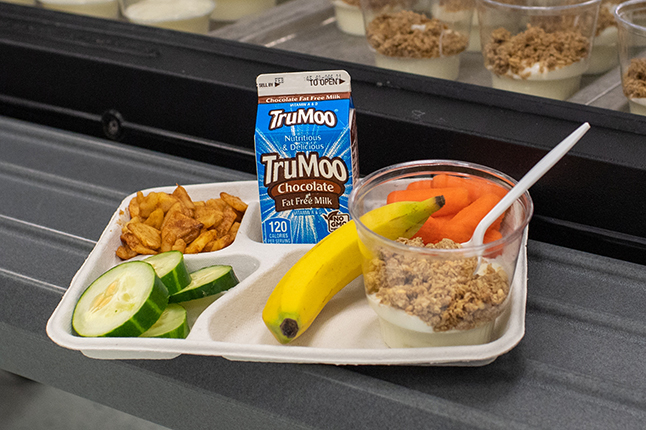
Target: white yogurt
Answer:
pixel 232 10
pixel 439 67
pixel 401 330
pixel 604 55
pixel 99 8
pixel 558 84
pixel 349 19
pixel 182 15
pixel 637 106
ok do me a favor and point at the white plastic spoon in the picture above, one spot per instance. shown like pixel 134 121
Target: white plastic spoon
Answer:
pixel 523 185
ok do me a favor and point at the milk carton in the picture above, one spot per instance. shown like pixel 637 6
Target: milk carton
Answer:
pixel 306 154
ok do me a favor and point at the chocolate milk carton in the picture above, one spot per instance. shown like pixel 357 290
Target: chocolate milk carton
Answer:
pixel 306 154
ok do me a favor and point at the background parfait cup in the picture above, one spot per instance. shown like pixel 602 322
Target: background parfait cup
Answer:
pixel 108 9
pixel 537 47
pixel 233 10
pixel 631 22
pixel 422 37
pixel 191 16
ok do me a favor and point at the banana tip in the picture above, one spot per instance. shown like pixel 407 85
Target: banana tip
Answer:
pixel 289 328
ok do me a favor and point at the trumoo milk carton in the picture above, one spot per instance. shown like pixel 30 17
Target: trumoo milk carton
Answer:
pixel 306 154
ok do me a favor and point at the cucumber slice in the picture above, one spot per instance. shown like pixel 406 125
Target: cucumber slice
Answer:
pixel 172 323
pixel 206 282
pixel 125 301
pixel 171 270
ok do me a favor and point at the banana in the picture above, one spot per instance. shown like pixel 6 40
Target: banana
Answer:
pixel 332 264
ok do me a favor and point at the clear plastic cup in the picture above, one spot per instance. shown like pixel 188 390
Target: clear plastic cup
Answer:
pixel 233 10
pixel 23 2
pixel 427 296
pixel 631 21
pixel 605 52
pixel 537 47
pixel 183 15
pixel 349 18
pixel 98 8
pixel 420 37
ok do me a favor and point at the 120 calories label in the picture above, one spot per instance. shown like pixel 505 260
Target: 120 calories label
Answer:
pixel 306 154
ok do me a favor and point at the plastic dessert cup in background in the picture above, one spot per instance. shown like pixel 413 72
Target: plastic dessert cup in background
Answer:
pixel 98 8
pixel 605 54
pixel 349 18
pixel 426 296
pixel 631 22
pixel 559 34
pixel 183 15
pixel 233 10
pixel 424 38
pixel 23 2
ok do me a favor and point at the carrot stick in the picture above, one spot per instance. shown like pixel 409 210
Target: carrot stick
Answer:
pixel 432 230
pixel 461 227
pixel 476 186
pixel 421 184
pixel 455 199
pixel 492 235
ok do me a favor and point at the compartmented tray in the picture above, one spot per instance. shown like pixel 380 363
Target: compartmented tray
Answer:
pixel 230 325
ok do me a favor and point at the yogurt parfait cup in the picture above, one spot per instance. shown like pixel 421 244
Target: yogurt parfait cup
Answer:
pixel 438 293
pixel 605 53
pixel 537 47
pixel 98 8
pixel 631 22
pixel 349 18
pixel 420 37
pixel 233 10
pixel 183 15
pixel 26 2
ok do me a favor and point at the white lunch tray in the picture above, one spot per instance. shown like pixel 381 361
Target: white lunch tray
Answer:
pixel 230 325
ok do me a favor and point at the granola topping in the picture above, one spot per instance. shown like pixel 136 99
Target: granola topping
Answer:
pixel 445 294
pixel 412 35
pixel 635 79
pixel 507 54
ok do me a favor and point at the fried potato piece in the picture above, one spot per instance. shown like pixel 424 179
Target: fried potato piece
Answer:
pixel 182 195
pixel 233 231
pixel 155 219
pixel 133 206
pixel 166 201
pixel 217 204
pixel 148 204
pixel 229 217
pixel 219 243
pixel 202 240
pixel 182 226
pixel 133 243
pixel 208 215
pixel 125 253
pixel 148 236
pixel 168 238
pixel 179 245
pixel 234 202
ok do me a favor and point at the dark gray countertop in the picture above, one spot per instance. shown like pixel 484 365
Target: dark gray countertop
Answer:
pixel 580 365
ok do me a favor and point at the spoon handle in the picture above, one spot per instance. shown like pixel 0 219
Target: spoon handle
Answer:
pixel 528 180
